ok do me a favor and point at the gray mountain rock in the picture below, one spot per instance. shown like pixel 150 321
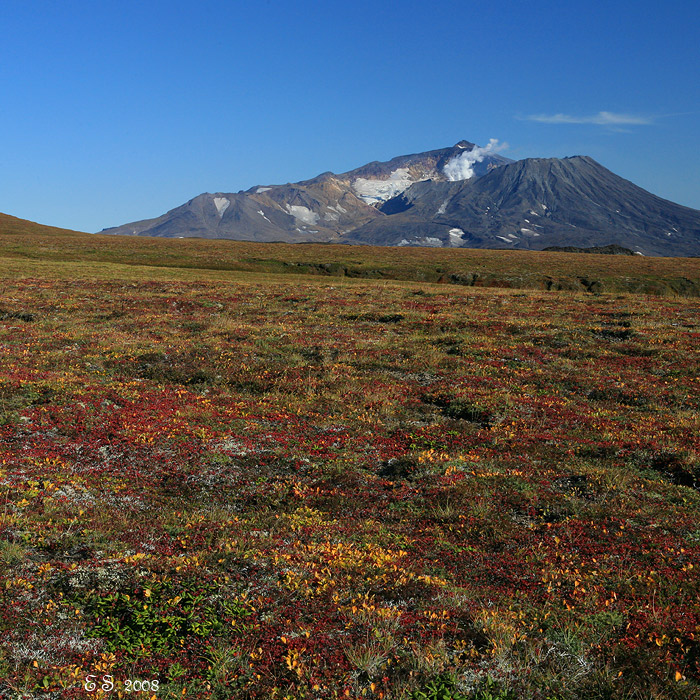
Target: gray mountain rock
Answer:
pixel 463 196
pixel 325 208
pixel 533 204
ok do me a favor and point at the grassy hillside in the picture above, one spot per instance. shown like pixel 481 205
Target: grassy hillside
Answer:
pixel 490 268
pixel 12 226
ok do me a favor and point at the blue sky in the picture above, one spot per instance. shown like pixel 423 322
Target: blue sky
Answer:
pixel 112 112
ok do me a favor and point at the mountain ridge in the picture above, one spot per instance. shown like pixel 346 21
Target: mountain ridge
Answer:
pixel 463 196
pixel 321 209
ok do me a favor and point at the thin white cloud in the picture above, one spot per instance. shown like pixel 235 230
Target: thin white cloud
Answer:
pixel 602 119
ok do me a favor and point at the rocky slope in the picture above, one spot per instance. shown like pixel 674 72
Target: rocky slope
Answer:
pixel 464 196
pixel 534 204
pixel 324 208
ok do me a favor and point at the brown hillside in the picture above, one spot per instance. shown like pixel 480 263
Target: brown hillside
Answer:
pixel 14 225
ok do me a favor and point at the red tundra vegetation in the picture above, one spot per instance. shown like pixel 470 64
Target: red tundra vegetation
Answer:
pixel 287 487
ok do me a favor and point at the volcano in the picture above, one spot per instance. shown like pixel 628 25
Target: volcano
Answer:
pixel 416 200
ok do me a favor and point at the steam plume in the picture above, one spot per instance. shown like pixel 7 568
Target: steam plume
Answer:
pixel 460 167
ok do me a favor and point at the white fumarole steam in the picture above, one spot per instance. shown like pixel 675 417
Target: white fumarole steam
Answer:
pixel 460 167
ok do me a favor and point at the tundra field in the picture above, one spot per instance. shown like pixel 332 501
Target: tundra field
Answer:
pixel 226 484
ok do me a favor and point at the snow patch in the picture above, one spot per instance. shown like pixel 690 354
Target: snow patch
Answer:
pixel 456 235
pixel 443 206
pixel 262 213
pixel 503 238
pixel 221 204
pixel 427 241
pixel 534 213
pixel 260 190
pixel 331 216
pixel 375 191
pixel 525 230
pixel 638 252
pixel 303 213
